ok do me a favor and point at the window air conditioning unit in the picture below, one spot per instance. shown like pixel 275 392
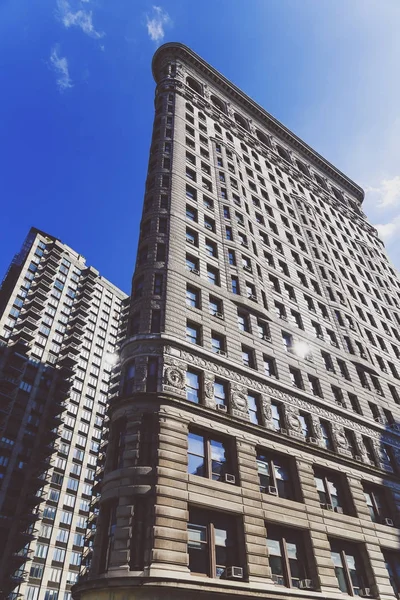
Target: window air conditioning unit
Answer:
pixel 388 522
pixel 338 509
pixel 306 584
pixel 218 315
pixel 247 268
pixel 221 352
pixel 283 431
pixel 234 573
pixel 267 338
pixel 379 420
pixel 327 506
pixel 230 478
pixel 195 271
pixel 189 241
pixel 221 407
pixel 252 297
pixel 365 592
pixel 272 490
pixel 312 440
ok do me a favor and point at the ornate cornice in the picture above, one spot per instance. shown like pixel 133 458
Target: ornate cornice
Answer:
pixel 188 56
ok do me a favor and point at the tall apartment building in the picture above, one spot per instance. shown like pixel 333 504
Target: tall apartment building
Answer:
pixel 58 332
pixel 254 447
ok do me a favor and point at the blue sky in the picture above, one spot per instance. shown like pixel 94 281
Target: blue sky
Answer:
pixel 77 104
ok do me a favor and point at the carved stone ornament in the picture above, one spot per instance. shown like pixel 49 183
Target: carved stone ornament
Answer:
pixel 175 377
pixel 209 389
pixel 239 401
pixel 266 408
pixel 293 422
pixel 238 380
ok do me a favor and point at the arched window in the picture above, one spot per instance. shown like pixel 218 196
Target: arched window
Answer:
pixel 262 138
pixel 303 168
pixel 194 85
pixel 241 121
pixel 218 103
pixel 283 153
pixel 129 378
pixel 320 181
pixel 217 128
pixel 338 194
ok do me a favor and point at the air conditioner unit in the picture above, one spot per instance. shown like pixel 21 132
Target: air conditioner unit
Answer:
pixel 195 271
pixel 234 573
pixel 273 491
pixel 364 593
pixel 388 522
pixel 327 506
pixel 230 478
pixel 306 584
pixel 221 352
pixel 247 268
pixel 338 509
pixel 320 336
pixel 252 297
pixel 267 338
pixel 189 241
pixel 379 420
pixel 222 407
pixel 283 431
pixel 312 440
pixel 218 315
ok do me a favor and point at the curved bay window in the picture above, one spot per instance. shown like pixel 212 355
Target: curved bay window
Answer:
pixel 128 384
pixel 212 543
pixel 287 558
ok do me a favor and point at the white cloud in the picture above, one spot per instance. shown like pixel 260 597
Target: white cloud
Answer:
pixel 59 64
pixel 156 23
pixel 387 192
pixel 80 18
pixel 387 231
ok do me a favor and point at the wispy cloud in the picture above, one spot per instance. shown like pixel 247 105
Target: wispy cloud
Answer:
pixel 59 64
pixel 156 22
pixel 387 231
pixel 387 192
pixel 81 18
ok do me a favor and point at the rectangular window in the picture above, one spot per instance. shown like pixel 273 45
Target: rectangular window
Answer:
pixel 326 434
pixel 193 333
pixel 220 392
pixel 270 369
pixel 208 456
pixel 192 297
pixel 213 543
pixel 287 557
pixel 377 504
pixel 253 406
pixel 330 489
pixel 248 357
pixel 349 570
pixel 193 386
pixel 274 474
pixel 392 563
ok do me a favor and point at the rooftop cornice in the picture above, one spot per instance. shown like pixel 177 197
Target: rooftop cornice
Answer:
pixel 187 55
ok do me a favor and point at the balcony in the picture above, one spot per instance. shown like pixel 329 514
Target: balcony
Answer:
pixel 24 334
pixel 69 359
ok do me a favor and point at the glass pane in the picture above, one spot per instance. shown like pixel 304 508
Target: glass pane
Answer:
pixel 196 465
pixel 197 534
pixel 196 444
pixel 274 547
pixel 217 450
pixel 339 572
